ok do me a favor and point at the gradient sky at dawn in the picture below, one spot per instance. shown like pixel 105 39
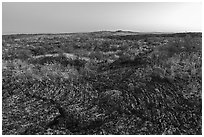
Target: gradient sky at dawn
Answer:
pixel 87 17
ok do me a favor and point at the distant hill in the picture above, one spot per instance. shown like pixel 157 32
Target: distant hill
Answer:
pixel 145 35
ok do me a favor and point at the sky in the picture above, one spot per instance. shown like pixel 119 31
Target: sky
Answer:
pixel 88 17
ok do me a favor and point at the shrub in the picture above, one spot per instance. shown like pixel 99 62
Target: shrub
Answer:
pixel 184 67
pixel 96 55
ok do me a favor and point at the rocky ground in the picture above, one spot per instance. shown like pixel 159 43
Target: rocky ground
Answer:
pixel 152 88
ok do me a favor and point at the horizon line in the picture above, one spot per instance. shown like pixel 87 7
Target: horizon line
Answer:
pixel 101 31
